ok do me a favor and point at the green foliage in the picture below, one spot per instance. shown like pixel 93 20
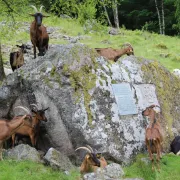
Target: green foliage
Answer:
pixel 177 14
pixel 67 7
pixel 170 168
pixel 27 170
pixel 86 11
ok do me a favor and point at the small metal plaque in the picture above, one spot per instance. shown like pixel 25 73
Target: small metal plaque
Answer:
pixel 124 98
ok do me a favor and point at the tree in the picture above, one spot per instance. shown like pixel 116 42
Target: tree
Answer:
pixel 177 13
pixel 163 21
pixel 106 12
pixel 115 13
pixel 159 17
pixel 2 74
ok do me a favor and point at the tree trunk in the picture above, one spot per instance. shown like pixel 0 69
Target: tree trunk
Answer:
pixel 115 13
pixel 159 17
pixel 163 22
pixel 2 74
pixel 106 13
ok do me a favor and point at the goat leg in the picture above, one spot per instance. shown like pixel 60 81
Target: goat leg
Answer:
pixel 150 155
pixel 34 46
pixel 158 156
pixel 32 139
pixel 1 148
pixel 13 139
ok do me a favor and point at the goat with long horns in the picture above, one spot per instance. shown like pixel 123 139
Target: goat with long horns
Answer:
pixel 38 33
pixel 91 161
pixel 31 128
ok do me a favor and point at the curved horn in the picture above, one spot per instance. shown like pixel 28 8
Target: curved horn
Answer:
pixel 34 8
pixel 90 148
pixel 85 148
pixel 23 108
pixel 34 105
pixel 41 9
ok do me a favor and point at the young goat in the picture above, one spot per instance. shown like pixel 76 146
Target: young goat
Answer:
pixel 31 128
pixel 91 161
pixel 38 33
pixel 17 58
pixel 154 136
pixel 7 128
pixel 115 54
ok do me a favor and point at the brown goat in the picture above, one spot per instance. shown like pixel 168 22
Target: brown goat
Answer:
pixel 17 58
pixel 91 161
pixel 7 128
pixel 38 33
pixel 32 128
pixel 115 54
pixel 154 136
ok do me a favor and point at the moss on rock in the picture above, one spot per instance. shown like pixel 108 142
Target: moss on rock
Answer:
pixel 82 78
pixel 167 87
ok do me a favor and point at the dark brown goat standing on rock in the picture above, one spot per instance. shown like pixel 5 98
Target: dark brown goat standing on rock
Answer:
pixel 32 128
pixel 115 54
pixel 154 135
pixel 38 33
pixel 91 161
pixel 17 58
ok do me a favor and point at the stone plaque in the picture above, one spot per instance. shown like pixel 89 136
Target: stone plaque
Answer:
pixel 124 98
pixel 146 94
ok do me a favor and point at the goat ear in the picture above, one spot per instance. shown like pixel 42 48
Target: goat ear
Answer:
pixel 152 106
pixel 88 156
pixel 46 16
pixel 31 14
pixel 45 109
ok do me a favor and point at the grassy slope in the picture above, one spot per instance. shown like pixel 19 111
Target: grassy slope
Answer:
pixel 27 170
pixel 170 169
pixel 147 45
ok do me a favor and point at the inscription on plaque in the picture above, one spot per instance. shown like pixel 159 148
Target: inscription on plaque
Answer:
pixel 124 98
pixel 146 94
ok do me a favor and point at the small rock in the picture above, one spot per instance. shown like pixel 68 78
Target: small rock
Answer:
pixel 145 160
pixel 114 31
pixel 110 172
pixel 58 160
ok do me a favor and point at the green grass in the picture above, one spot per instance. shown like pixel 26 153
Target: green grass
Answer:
pixel 148 45
pixel 170 169
pixel 27 170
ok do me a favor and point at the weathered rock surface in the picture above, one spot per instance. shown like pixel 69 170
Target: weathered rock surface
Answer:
pixel 23 152
pixel 83 109
pixel 110 172
pixel 57 160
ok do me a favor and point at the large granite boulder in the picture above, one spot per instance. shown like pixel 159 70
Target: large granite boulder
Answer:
pixel 93 101
pixel 23 152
